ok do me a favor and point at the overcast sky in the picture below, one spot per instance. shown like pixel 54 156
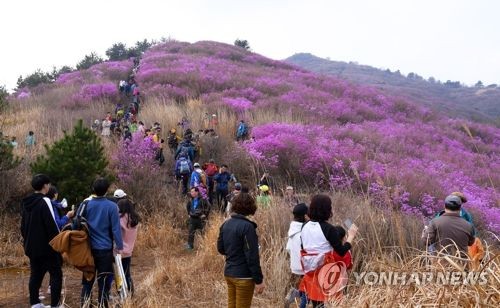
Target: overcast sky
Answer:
pixel 447 39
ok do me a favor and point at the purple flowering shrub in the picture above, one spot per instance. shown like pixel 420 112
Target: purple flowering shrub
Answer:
pixel 134 159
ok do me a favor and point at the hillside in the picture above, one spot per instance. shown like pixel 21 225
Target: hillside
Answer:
pixel 387 163
pixel 308 128
pixel 476 103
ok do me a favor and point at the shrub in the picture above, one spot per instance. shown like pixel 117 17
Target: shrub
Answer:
pixel 74 162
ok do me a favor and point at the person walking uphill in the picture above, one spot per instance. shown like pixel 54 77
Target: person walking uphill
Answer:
pixel 198 210
pixel 323 246
pixel 238 241
pixel 129 222
pixel 104 227
pixel 38 228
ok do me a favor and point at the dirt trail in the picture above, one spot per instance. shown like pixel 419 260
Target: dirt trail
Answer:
pixel 14 283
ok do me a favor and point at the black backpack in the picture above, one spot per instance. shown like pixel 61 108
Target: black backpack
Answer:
pixel 79 222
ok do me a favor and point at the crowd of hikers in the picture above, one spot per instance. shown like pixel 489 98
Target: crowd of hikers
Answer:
pixel 109 224
pixel 90 235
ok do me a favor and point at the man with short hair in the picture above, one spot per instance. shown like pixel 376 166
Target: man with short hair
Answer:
pixel 104 228
pixel 38 228
pixel 450 231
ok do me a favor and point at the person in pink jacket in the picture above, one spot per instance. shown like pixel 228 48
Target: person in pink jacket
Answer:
pixel 129 222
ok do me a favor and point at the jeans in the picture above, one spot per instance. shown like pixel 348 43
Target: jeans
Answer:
pixel 221 199
pixel 126 268
pixel 195 223
pixel 38 267
pixel 103 260
pixel 239 292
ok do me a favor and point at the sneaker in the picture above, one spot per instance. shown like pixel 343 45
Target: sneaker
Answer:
pixel 40 305
pixel 292 295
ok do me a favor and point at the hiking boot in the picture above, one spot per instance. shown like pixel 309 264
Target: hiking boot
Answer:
pixel 40 305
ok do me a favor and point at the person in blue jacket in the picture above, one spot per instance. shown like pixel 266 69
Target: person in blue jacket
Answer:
pixel 61 220
pixel 242 131
pixel 222 180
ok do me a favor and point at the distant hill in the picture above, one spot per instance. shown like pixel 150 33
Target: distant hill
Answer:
pixel 480 103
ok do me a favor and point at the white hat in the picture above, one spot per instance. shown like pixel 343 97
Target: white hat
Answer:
pixel 119 193
pixel 196 165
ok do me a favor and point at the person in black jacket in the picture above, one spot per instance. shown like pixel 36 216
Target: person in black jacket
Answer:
pixel 38 228
pixel 198 210
pixel 238 241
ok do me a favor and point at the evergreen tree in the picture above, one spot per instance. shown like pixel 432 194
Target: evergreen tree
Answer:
pixel 74 162
pixel 242 43
pixel 88 61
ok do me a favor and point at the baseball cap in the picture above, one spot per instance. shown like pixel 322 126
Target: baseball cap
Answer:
pixel 196 165
pixel 452 199
pixel 289 188
pixel 119 193
pixel 300 209
pixel 264 188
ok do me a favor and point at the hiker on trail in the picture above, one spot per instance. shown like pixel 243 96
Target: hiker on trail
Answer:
pixel 13 142
pixel 38 228
pixel 185 149
pixel 242 131
pixel 236 191
pixel 323 246
pixel 188 135
pixel 199 179
pixel 104 228
pixel 214 122
pixel 129 222
pixel 198 210
pixel 183 169
pixel 106 127
pixel 30 141
pixel 141 128
pixel 133 126
pixel 173 140
pixel 211 170
pixel 264 198
pixel 450 231
pixel 293 248
pixel 291 199
pixel 184 124
pixel 121 85
pixel 96 125
pixel 239 243
pixel 206 121
pixel 127 135
pixel 58 207
pixel 222 180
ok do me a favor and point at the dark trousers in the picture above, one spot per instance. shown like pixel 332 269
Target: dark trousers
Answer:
pixel 195 223
pixel 184 178
pixel 38 267
pixel 103 260
pixel 126 268
pixel 210 183
pixel 221 199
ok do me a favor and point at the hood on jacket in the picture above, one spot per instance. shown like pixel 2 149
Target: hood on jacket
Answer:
pixel 295 227
pixel 30 202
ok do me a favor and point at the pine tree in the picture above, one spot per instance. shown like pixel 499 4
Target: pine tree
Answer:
pixel 73 163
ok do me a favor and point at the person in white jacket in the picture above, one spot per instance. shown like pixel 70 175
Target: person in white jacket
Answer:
pixel 293 246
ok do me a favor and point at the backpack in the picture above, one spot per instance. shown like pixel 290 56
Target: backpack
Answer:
pixel 79 222
pixel 184 152
pixel 184 167
pixel 172 141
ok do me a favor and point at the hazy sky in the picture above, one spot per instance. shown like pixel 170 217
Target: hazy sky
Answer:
pixel 447 39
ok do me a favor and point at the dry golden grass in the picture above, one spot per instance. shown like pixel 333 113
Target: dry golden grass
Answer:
pixel 168 276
